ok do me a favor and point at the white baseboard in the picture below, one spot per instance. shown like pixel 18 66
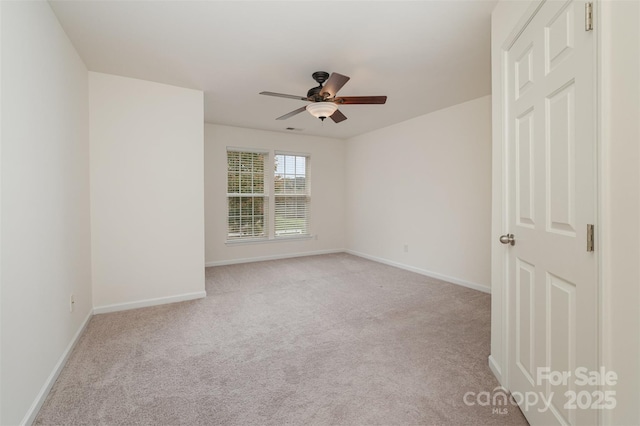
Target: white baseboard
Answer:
pixel 44 391
pixel 30 417
pixel 274 257
pixel 148 302
pixel 31 414
pixel 495 369
pixel 420 271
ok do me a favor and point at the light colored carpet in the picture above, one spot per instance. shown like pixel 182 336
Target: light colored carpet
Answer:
pixel 326 340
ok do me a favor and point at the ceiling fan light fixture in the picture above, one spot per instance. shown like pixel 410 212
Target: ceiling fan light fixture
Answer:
pixel 322 110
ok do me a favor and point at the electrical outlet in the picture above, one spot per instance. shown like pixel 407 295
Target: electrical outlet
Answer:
pixel 406 248
pixel 72 302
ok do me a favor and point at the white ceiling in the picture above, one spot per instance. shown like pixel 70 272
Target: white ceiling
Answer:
pixel 424 55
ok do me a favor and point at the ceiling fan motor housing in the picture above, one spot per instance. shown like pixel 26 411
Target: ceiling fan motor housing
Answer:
pixel 314 94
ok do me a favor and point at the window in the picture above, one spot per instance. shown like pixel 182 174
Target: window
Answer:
pixel 291 191
pixel 246 198
pixel 249 187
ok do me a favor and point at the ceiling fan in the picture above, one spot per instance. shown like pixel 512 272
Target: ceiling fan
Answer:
pixel 324 102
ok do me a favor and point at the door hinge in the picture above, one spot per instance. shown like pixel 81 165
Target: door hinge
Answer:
pixel 588 16
pixel 590 238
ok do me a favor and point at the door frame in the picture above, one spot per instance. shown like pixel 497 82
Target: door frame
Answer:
pixel 501 363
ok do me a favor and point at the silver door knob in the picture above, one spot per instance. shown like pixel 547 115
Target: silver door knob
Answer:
pixel 508 239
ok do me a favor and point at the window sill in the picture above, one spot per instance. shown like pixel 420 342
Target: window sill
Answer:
pixel 268 240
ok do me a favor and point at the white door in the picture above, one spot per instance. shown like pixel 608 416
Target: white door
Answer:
pixel 552 281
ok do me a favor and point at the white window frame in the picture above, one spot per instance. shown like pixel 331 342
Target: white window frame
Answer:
pixel 269 178
pixel 264 195
pixel 307 196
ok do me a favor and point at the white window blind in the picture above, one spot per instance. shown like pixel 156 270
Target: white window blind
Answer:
pixel 246 197
pixel 291 195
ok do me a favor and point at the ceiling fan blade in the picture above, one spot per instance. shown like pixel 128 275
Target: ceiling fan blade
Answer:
pixel 338 116
pixel 292 113
pixel 282 95
pixel 347 100
pixel 335 83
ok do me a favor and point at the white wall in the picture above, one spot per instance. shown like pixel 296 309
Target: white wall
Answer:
pixel 620 198
pixel 327 193
pixel 425 183
pixel 1 318
pixel 617 241
pixel 147 196
pixel 45 203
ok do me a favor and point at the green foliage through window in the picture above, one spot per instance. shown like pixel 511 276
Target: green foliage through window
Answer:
pixel 248 205
pixel 291 195
pixel 245 195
